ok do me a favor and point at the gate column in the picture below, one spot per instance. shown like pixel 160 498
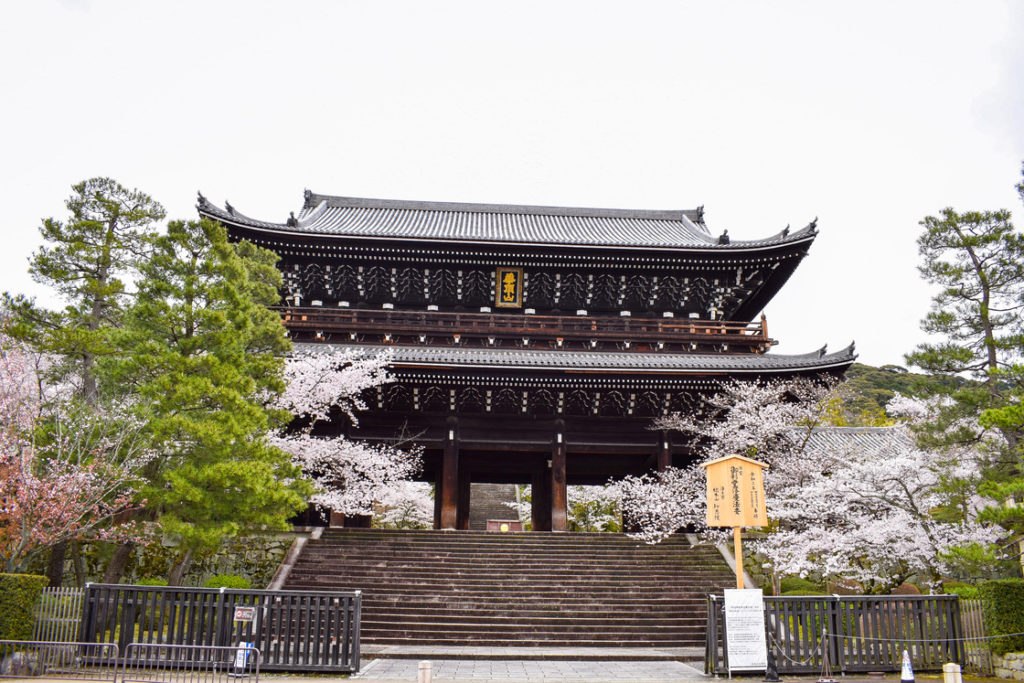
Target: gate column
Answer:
pixel 559 497
pixel 450 477
pixel 664 453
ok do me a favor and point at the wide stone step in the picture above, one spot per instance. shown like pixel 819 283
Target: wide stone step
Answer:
pixel 486 589
pixel 466 578
pixel 576 640
pixel 581 620
pixel 487 603
pixel 526 593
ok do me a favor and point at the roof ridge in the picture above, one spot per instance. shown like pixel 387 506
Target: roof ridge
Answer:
pixel 691 216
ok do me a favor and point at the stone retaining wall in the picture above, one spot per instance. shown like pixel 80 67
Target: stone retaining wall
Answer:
pixel 1010 665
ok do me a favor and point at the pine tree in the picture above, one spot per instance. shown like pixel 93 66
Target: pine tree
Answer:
pixel 204 356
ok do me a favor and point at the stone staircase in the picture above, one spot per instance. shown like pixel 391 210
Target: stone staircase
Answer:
pixel 469 588
pixel 487 501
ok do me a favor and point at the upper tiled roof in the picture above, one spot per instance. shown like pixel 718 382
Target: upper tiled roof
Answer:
pixel 489 223
pixel 661 363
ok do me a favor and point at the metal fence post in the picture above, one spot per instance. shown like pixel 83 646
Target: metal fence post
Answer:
pixel 222 627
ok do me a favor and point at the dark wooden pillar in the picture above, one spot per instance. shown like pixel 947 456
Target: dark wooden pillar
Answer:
pixel 438 487
pixel 664 453
pixel 450 477
pixel 559 496
pixel 462 510
pixel 540 501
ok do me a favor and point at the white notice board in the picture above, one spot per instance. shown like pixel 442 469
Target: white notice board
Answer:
pixel 744 629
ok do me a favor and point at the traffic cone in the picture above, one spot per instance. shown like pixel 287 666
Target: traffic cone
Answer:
pixel 907 673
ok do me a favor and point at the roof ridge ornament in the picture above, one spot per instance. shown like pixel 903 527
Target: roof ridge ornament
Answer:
pixel 292 222
pixel 230 209
pixel 724 237
pixel 700 215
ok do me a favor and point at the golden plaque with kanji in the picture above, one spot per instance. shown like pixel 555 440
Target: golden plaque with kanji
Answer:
pixel 509 290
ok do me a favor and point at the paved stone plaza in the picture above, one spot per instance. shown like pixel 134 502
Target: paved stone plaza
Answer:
pixel 532 671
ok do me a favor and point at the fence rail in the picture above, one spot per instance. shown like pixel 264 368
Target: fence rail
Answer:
pixel 294 630
pixel 63 660
pixel 979 656
pixel 141 663
pixel 153 663
pixel 858 633
pixel 58 615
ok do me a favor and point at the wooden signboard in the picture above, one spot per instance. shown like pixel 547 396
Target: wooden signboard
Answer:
pixel 736 498
pixel 736 492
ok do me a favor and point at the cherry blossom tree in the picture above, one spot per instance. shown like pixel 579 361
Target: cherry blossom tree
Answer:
pixel 872 506
pixel 861 503
pixel 770 421
pixel 405 505
pixel 588 509
pixel 65 472
pixel 350 476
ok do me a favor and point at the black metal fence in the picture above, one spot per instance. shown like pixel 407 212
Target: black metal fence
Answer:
pixel 858 633
pixel 293 630
pixel 58 660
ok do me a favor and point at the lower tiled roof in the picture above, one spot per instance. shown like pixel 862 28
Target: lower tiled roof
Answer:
pixel 669 363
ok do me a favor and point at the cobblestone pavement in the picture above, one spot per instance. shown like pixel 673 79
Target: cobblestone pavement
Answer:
pixel 535 671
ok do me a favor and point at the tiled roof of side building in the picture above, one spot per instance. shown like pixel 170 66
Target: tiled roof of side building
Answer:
pixel 859 439
pixel 662 363
pixel 499 223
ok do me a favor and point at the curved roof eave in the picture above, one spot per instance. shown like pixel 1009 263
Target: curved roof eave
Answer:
pixel 607 362
pixel 703 242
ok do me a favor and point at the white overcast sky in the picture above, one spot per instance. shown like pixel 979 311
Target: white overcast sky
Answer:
pixel 869 115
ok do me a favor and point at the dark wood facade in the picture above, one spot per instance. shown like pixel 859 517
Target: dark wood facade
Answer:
pixel 531 344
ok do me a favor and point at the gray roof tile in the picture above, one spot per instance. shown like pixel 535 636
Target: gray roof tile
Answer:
pixel 668 363
pixel 458 222
pixel 859 439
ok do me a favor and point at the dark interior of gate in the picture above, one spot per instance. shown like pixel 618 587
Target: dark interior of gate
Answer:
pixel 531 345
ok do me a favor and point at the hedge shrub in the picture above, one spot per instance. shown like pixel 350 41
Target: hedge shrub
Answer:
pixel 151 581
pixel 1004 613
pixel 965 590
pixel 794 585
pixel 19 594
pixel 227 581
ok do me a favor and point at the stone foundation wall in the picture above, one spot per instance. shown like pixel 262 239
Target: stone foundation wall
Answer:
pixel 1010 665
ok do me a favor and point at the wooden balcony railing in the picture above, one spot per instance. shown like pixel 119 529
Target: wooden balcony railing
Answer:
pixel 433 323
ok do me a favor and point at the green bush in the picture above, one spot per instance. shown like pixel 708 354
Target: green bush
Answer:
pixel 227 581
pixel 150 581
pixel 965 590
pixel 794 585
pixel 1004 613
pixel 19 594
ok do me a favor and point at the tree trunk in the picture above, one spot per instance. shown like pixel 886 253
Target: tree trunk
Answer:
pixel 180 568
pixel 55 570
pixel 78 563
pixel 118 563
